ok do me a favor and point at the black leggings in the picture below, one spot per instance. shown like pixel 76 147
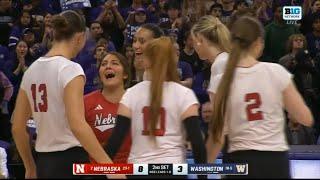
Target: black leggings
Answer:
pixel 262 164
pixel 59 164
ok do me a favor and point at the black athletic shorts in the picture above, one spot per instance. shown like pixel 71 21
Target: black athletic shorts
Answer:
pixel 59 164
pixel 262 164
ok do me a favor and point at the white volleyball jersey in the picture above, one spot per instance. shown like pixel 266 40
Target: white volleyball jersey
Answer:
pixel 170 139
pixel 44 83
pixel 255 118
pixel 218 67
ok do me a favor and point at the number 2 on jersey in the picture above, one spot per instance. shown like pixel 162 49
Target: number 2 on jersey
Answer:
pixel 251 115
pixel 43 104
pixel 146 117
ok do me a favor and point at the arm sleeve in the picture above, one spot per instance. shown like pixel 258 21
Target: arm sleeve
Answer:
pixel 118 134
pixel 70 72
pixel 192 125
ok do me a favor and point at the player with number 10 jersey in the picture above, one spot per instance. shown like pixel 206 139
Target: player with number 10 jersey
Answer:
pixel 160 112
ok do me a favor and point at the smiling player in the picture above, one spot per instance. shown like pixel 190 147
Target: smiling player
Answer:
pixel 101 106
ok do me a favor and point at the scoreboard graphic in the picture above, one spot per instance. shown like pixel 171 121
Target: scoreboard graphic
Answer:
pixel 160 169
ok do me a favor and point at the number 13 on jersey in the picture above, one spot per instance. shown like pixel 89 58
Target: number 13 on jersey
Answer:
pixel 39 105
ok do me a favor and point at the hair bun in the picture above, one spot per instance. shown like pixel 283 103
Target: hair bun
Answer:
pixel 60 24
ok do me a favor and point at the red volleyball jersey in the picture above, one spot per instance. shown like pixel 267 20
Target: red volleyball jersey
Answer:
pixel 101 116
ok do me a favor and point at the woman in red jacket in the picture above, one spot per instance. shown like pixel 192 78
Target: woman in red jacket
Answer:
pixel 101 106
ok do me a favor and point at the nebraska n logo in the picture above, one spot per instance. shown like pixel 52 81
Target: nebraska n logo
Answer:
pixel 78 169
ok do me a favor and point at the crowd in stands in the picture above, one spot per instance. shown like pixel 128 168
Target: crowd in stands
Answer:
pixel 26 34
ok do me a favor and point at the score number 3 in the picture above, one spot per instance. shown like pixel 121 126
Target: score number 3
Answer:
pixel 251 114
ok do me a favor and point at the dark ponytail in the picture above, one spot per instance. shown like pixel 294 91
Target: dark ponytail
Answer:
pixel 156 30
pixel 66 24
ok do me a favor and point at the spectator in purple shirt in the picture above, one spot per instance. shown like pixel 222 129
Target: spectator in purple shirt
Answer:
pixel 4 56
pixel 227 10
pixel 96 34
pixel 112 23
pixel 86 55
pixel 7 17
pixel 5 96
pixel 24 21
pixel 173 11
pixel 16 67
pixel 134 21
pixel 95 10
pixel 91 70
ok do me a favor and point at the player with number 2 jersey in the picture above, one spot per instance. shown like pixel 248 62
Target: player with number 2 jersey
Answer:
pixel 248 103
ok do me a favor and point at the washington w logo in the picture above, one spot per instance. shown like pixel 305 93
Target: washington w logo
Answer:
pixel 242 168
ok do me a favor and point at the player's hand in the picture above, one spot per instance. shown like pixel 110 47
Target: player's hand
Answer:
pixel 31 172
pixel 293 126
pixel 118 176
pixel 207 111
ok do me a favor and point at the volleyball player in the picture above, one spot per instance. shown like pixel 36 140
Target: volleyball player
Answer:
pixel 212 43
pixel 248 102
pixel 143 35
pixel 159 110
pixel 52 93
pixel 101 106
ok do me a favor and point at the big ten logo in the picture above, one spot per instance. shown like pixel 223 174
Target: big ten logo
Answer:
pixel 292 13
pixel 140 169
